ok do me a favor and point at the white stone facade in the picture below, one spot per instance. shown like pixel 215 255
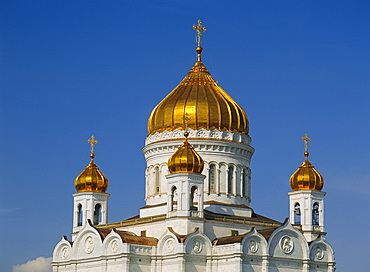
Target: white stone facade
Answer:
pixel 286 249
pixel 221 150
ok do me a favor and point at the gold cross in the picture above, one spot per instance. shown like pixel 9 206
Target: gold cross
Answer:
pixel 186 120
pixel 199 29
pixel 306 140
pixel 92 142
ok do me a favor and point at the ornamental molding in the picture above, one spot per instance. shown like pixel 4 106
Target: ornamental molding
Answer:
pixel 252 246
pixel 221 148
pixel 89 244
pixel 319 253
pixel 201 133
pixel 286 244
pixel 65 253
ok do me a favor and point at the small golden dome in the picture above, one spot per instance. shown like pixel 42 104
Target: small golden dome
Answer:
pixel 91 179
pixel 306 177
pixel 185 159
pixel 199 97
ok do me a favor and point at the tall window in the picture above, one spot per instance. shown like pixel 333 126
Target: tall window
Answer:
pixel 230 177
pixel 297 214
pixel 97 215
pixel 79 215
pixel 244 182
pixel 193 193
pixel 157 180
pixel 315 214
pixel 212 178
pixel 173 194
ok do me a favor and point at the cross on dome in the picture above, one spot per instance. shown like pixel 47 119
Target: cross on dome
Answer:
pixel 199 29
pixel 92 143
pixel 306 140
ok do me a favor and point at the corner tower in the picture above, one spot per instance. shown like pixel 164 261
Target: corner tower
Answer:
pixel 91 199
pixel 306 199
pixel 218 129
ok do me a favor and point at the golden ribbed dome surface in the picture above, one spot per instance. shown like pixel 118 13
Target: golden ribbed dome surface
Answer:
pixel 185 159
pixel 306 177
pixel 199 101
pixel 91 179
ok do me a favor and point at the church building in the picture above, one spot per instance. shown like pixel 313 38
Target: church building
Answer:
pixel 197 215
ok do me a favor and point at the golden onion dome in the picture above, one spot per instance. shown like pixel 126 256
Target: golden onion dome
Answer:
pixel 185 159
pixel 91 179
pixel 306 177
pixel 199 99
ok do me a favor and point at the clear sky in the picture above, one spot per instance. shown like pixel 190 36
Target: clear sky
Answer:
pixel 70 69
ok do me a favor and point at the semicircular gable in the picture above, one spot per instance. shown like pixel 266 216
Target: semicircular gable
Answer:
pixel 254 243
pixel 198 243
pixel 321 250
pixel 167 243
pixel 88 243
pixel 62 251
pixel 288 242
pixel 112 244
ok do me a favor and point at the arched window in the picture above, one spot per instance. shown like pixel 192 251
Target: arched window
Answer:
pixel 315 214
pixel 297 214
pixel 97 215
pixel 230 177
pixel 193 193
pixel 212 178
pixel 244 182
pixel 173 192
pixel 157 180
pixel 79 215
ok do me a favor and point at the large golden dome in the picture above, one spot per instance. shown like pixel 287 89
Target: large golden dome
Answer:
pixel 202 102
pixel 306 177
pixel 185 159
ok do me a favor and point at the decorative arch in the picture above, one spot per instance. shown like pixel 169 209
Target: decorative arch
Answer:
pixel 198 244
pixel 88 243
pixel 112 244
pixel 321 251
pixel 254 243
pixel 167 244
pixel 287 242
pixel 62 251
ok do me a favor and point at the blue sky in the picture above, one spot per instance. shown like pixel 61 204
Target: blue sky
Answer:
pixel 70 69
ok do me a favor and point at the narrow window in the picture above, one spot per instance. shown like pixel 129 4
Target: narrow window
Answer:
pixel 244 181
pixel 97 216
pixel 297 214
pixel 143 233
pixel 230 177
pixel 212 178
pixel 192 195
pixel 172 200
pixel 315 214
pixel 157 180
pixel 79 215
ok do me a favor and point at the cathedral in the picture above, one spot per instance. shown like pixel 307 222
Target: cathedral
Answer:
pixel 197 215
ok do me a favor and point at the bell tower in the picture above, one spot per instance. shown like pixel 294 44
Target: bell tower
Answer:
pixel 91 199
pixel 185 183
pixel 306 198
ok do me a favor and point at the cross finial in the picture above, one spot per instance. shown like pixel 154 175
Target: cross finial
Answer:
pixel 92 143
pixel 306 140
pixel 199 29
pixel 186 120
